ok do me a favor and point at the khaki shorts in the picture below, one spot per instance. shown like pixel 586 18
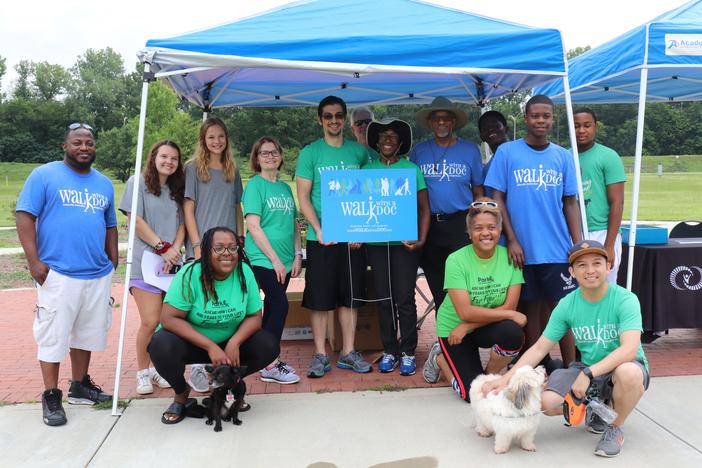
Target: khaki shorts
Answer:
pixel 71 313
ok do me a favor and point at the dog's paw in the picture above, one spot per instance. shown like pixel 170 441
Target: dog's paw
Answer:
pixel 237 422
pixel 529 447
pixel 209 423
pixel 218 429
pixel 485 433
pixel 227 418
pixel 500 450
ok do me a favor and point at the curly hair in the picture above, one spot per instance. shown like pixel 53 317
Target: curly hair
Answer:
pixel 175 181
pixel 473 212
pixel 202 156
pixel 206 274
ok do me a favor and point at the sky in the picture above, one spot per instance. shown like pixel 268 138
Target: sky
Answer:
pixel 59 32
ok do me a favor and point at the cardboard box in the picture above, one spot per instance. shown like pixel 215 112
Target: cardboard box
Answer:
pixel 367 330
pixel 645 234
pixel 297 323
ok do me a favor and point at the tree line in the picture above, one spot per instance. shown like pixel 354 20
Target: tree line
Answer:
pixel 45 97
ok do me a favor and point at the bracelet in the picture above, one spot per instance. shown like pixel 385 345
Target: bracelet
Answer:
pixel 588 373
pixel 298 253
pixel 164 248
pixel 196 244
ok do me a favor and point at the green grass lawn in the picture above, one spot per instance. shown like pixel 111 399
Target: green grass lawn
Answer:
pixel 669 198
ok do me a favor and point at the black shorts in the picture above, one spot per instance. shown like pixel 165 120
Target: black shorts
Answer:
pixel 547 281
pixel 561 380
pixel 330 280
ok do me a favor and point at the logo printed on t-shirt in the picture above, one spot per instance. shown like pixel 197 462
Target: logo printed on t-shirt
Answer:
pixel 340 167
pixel 280 203
pixel 600 334
pixel 443 170
pixel 568 282
pixel 539 178
pixel 85 200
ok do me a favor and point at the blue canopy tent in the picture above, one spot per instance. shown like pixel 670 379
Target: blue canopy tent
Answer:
pixel 366 52
pixel 659 61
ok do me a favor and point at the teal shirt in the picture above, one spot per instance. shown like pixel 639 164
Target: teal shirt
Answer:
pixel 596 326
pixel 319 156
pixel 600 166
pixel 217 320
pixel 273 202
pixel 401 163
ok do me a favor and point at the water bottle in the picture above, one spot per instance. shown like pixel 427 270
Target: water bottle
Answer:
pixel 607 414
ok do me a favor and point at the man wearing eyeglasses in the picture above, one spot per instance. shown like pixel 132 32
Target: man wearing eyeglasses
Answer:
pixel 67 226
pixel 334 275
pixel 360 118
pixel 453 172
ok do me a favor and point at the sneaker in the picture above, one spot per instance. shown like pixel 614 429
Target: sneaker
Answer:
pixel 320 366
pixel 355 362
pixel 431 370
pixel 611 442
pixel 86 392
pixel 158 380
pixel 52 408
pixel 593 422
pixel 143 382
pixel 198 380
pixel 280 373
pixel 387 363
pixel 408 365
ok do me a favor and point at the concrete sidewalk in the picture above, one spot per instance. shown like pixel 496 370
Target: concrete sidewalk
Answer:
pixel 416 428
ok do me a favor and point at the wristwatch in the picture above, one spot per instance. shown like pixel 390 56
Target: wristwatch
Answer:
pixel 588 373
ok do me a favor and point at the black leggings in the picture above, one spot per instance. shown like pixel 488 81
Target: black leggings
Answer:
pixel 275 304
pixel 504 337
pixel 170 353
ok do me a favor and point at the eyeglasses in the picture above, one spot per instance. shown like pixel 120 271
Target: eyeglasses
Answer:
pixel 219 249
pixel 480 204
pixel 360 122
pixel 269 154
pixel 77 125
pixel 388 136
pixel 337 116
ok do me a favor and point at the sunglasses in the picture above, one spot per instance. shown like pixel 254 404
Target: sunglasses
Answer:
pixel 480 204
pixel 337 116
pixel 77 125
pixel 219 249
pixel 360 122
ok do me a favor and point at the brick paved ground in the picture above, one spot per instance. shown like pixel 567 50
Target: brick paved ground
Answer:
pixel 679 353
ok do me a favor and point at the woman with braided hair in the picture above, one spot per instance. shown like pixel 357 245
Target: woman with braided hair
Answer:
pixel 211 313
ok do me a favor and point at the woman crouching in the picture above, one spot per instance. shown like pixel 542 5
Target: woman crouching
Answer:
pixel 211 313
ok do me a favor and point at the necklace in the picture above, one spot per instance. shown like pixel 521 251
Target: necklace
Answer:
pixel 443 155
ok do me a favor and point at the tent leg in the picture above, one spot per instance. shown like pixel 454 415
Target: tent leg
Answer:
pixel 637 175
pixel 576 156
pixel 132 232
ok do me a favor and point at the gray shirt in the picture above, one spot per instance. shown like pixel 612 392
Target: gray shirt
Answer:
pixel 162 214
pixel 215 201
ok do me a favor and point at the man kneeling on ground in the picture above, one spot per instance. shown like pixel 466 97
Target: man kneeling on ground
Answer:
pixel 606 322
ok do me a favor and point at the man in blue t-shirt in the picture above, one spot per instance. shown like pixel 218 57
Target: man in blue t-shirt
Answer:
pixel 67 226
pixel 534 182
pixel 453 172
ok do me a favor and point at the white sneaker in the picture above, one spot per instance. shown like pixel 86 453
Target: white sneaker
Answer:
pixel 158 380
pixel 198 380
pixel 143 379
pixel 281 373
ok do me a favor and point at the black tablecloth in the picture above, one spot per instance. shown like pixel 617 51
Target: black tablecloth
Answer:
pixel 668 282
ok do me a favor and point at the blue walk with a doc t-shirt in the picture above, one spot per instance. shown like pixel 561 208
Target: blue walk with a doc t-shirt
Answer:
pixel 73 212
pixel 535 183
pixel 450 173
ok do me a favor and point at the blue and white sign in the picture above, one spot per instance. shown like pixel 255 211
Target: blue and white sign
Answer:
pixel 372 205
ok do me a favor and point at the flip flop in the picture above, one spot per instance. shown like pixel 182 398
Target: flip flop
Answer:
pixel 244 406
pixel 175 408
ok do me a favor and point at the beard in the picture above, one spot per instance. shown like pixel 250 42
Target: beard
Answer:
pixel 78 164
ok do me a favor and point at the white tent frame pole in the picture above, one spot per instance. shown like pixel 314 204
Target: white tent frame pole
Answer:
pixel 576 155
pixel 132 232
pixel 637 176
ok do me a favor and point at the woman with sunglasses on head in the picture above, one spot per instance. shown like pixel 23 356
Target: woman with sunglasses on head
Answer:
pixel 393 138
pixel 212 198
pixel 159 229
pixel 483 291
pixel 272 243
pixel 211 313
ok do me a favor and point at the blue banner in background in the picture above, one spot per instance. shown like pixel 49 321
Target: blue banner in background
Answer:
pixel 373 205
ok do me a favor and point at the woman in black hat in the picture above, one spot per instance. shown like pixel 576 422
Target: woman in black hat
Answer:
pixel 393 138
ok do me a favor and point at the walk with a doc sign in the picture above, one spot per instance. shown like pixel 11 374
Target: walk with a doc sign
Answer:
pixel 373 205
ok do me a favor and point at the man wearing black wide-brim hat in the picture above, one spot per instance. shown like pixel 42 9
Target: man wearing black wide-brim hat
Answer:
pixel 452 169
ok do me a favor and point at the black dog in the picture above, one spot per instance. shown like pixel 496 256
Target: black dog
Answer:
pixel 225 378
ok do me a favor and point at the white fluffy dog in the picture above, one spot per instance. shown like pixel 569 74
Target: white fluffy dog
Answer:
pixel 511 414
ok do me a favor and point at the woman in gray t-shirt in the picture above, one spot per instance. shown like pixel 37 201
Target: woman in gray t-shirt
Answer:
pixel 159 229
pixel 212 186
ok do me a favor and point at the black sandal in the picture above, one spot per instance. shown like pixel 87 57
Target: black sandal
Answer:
pixel 175 408
pixel 194 410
